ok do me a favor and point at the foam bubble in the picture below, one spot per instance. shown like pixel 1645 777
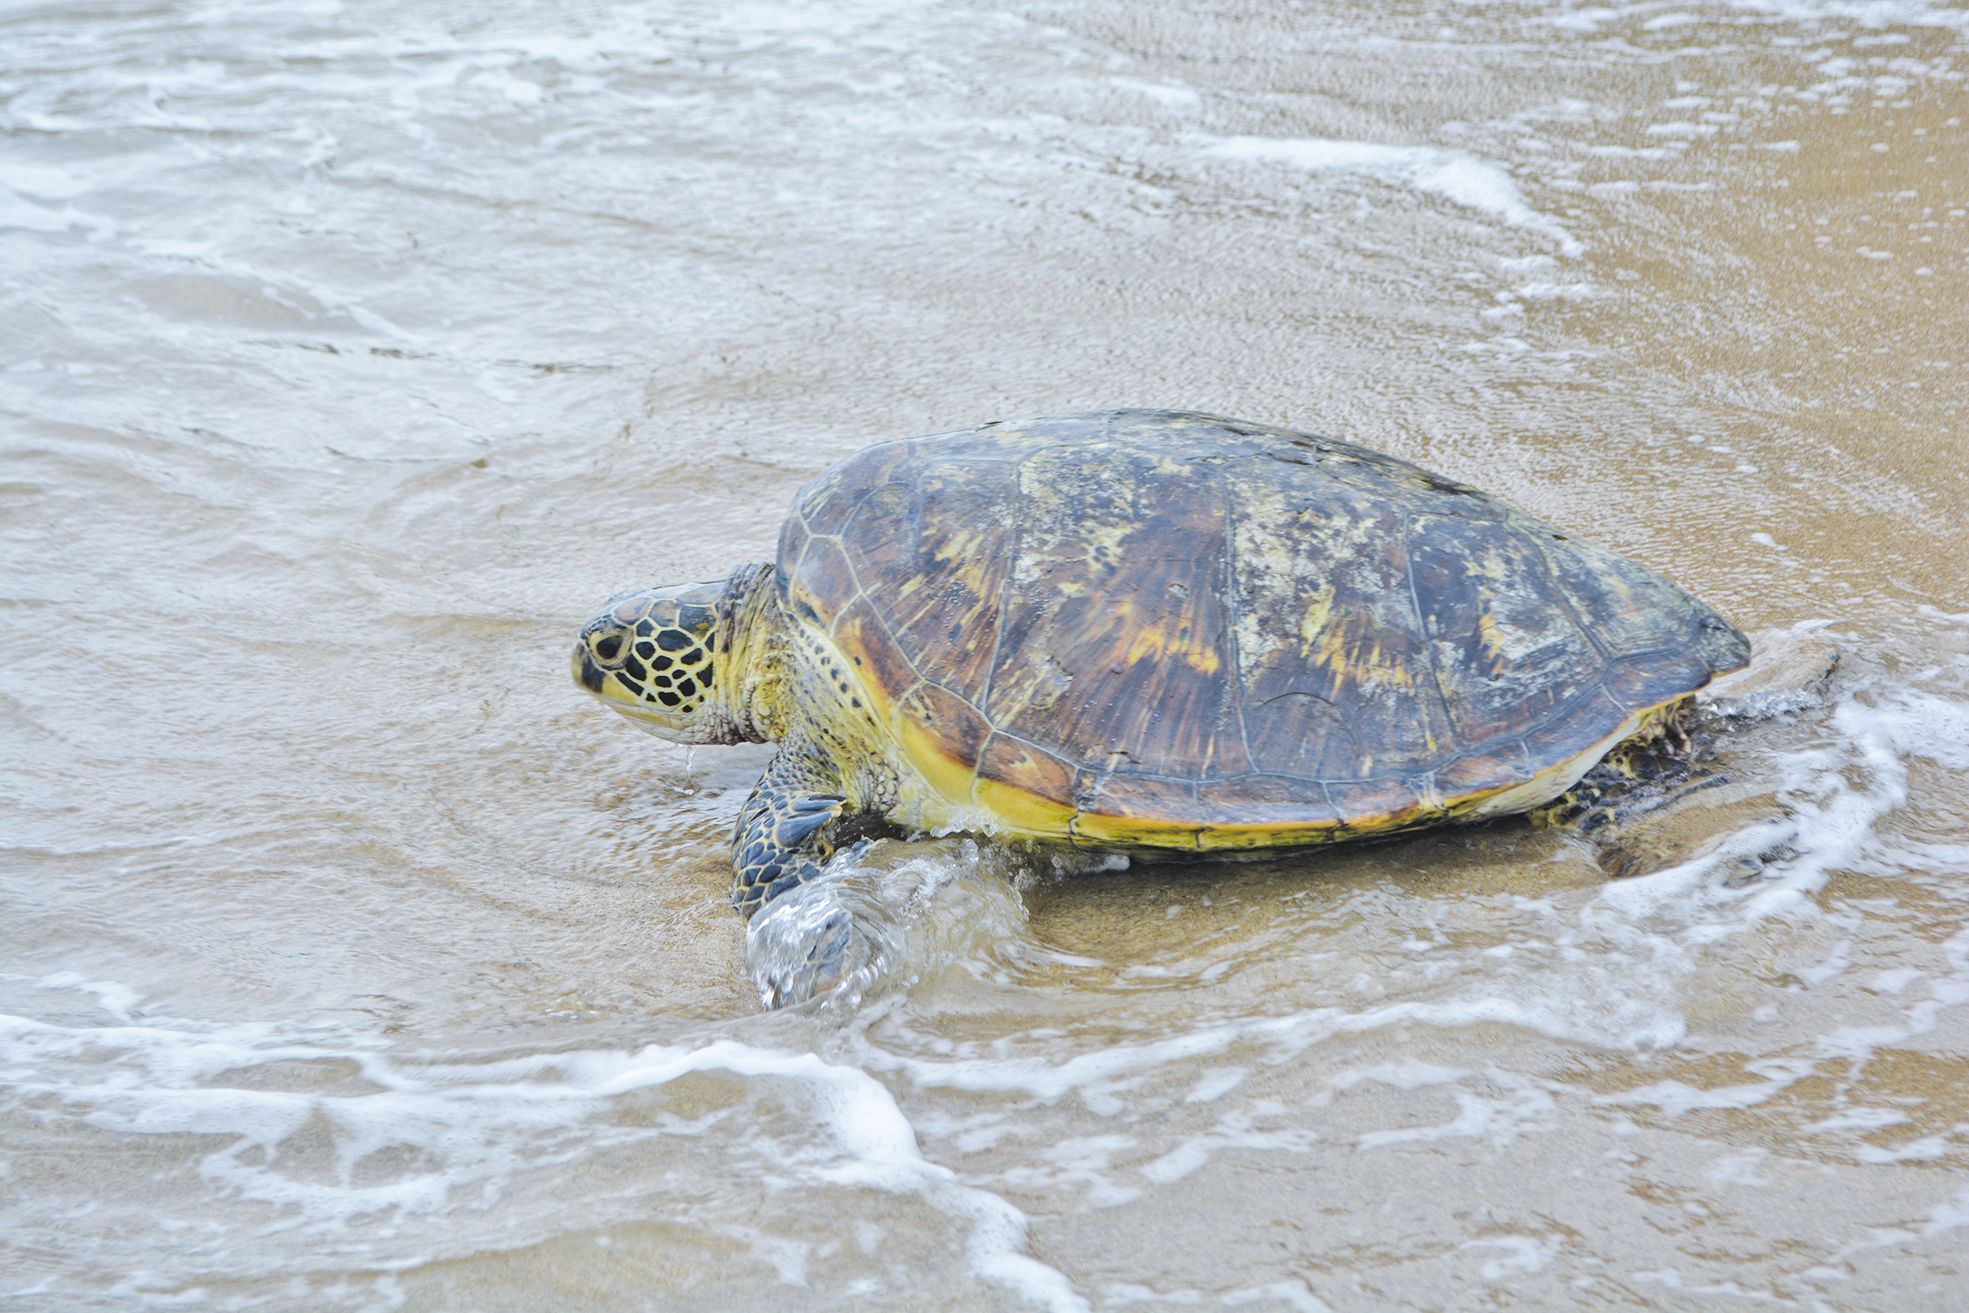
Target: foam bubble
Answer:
pixel 1872 14
pixel 1454 175
pixel 1522 1255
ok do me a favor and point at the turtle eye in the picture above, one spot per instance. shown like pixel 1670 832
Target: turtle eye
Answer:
pixel 609 647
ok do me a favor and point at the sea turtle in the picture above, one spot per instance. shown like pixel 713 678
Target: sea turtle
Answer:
pixel 1148 630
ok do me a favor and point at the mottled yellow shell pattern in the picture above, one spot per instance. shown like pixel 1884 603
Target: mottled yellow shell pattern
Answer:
pixel 1167 630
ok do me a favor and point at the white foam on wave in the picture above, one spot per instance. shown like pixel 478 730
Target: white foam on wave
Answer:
pixel 1292 1295
pixel 1836 797
pixel 1454 175
pixel 1523 1255
pixel 1516 1104
pixel 1236 1128
pixel 1594 1005
pixel 473 1123
pixel 21 212
pixel 1170 95
pixel 1872 15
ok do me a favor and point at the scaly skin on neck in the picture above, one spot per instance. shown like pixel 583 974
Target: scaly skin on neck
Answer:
pixel 781 682
pixel 753 701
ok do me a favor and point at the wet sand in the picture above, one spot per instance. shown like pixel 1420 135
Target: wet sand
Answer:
pixel 350 958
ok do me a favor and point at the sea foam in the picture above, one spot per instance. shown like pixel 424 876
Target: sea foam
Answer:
pixel 466 1127
pixel 1454 175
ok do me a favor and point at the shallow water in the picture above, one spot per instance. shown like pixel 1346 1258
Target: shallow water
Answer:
pixel 350 958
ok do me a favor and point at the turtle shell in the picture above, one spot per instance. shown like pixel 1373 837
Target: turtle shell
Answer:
pixel 1181 630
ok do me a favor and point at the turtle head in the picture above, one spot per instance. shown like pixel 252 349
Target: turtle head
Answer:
pixel 657 656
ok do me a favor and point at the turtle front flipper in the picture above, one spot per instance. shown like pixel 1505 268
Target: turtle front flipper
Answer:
pixel 783 832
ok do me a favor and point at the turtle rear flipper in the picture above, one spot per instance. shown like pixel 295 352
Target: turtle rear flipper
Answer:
pixel 1668 798
pixel 1690 810
pixel 1617 804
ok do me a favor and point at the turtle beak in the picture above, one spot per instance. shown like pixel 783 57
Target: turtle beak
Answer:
pixel 586 673
pixel 598 657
